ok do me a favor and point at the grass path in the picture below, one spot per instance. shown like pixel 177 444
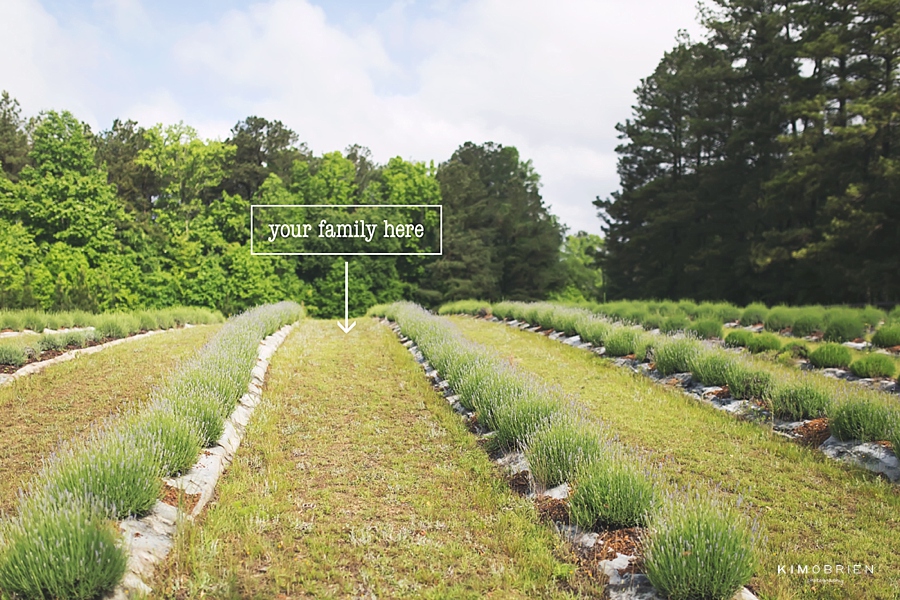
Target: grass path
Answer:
pixel 63 400
pixel 356 480
pixel 814 511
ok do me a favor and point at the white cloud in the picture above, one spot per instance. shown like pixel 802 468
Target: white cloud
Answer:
pixel 46 66
pixel 551 79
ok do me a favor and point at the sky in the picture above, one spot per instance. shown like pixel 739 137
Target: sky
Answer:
pixel 408 78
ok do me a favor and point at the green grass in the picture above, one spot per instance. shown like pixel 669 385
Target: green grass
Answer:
pixel 63 400
pixel 813 510
pixel 887 336
pixel 355 479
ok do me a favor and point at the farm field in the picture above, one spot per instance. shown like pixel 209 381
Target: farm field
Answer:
pixel 356 480
pixel 63 401
pixel 814 512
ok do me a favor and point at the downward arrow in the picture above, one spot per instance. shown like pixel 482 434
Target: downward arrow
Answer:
pixel 346 326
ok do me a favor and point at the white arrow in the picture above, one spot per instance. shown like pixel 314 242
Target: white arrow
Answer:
pixel 345 327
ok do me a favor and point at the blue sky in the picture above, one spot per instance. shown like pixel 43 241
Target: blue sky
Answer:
pixel 409 78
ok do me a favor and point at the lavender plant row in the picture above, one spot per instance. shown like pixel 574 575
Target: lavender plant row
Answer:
pixel 612 487
pixel 62 542
pixel 855 414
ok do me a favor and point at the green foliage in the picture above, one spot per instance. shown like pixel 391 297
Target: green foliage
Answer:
pixel 728 313
pixel 615 492
pixel 108 469
pixel 779 318
pixel 466 307
pixel 11 354
pixel 580 254
pixel 622 341
pixel 801 398
pixel 871 316
pixel 173 443
pixel 739 338
pixel 796 349
pixel 699 549
pixel 60 547
pixel 863 419
pixel 51 341
pixel 675 355
pixel 887 336
pixel 509 250
pixel 764 342
pixel 556 452
pixel 674 323
pixel 830 355
pixel 710 367
pixel 754 314
pixel 844 327
pixel 807 322
pixel 747 382
pixel 874 365
pixel 707 328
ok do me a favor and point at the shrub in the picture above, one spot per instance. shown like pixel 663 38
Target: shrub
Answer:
pixel 728 313
pixel 623 341
pixel 11 354
pixel 111 326
pixel 754 314
pixel 796 349
pixel 739 338
pixel 615 492
pixel 844 327
pixel 780 317
pixel 34 320
pixel 711 366
pixel 871 316
pixel 555 452
pixel 51 341
pixel 707 328
pixel 518 420
pixel 887 336
pixel 808 321
pixel 830 356
pixel 675 355
pixel 10 320
pixel 147 320
pixel 674 323
pixel 800 399
pixel 653 321
pixel 172 442
pixel 466 307
pixel 60 547
pixel 874 365
pixel 75 338
pixel 699 549
pixel 109 469
pixel 894 315
pixel 688 308
pixel 595 331
pixel 635 316
pixel 764 342
pixel 863 419
pixel 746 382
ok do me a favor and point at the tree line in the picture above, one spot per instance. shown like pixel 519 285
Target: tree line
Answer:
pixel 763 162
pixel 138 216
